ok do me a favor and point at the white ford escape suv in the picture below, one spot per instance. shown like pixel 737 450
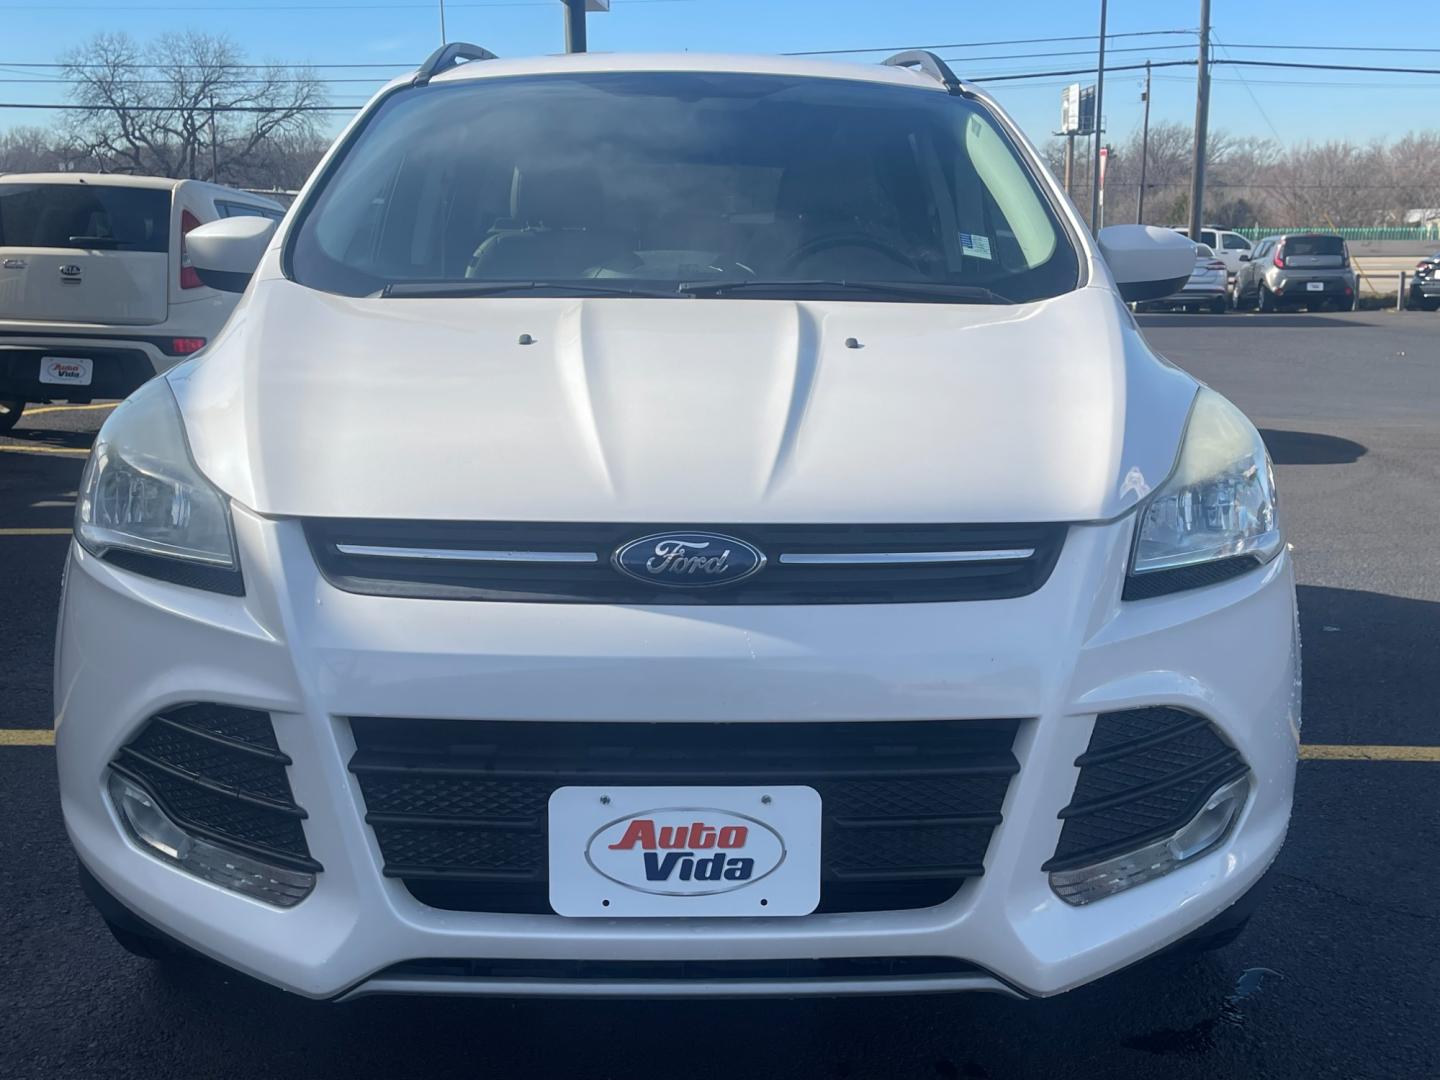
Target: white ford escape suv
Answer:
pixel 97 292
pixel 677 525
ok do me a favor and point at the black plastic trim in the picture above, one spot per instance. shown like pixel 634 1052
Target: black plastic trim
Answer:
pixel 1155 583
pixel 177 572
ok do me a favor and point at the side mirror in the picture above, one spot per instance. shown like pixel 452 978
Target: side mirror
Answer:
pixel 1146 262
pixel 225 253
pixel 1244 256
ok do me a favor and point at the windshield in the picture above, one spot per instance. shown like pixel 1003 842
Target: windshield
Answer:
pixel 657 180
pixel 84 216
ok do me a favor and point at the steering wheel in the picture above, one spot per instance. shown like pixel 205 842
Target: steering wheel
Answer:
pixel 837 240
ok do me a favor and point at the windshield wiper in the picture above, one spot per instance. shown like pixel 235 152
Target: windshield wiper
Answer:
pixel 462 288
pixel 99 241
pixel 936 292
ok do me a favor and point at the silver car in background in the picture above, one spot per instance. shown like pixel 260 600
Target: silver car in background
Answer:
pixel 1310 270
pixel 1207 289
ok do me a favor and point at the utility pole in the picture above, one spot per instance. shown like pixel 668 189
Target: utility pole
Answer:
pixel 214 168
pixel 442 22
pixel 1100 121
pixel 1202 123
pixel 1144 151
pixel 574 26
pixel 1069 159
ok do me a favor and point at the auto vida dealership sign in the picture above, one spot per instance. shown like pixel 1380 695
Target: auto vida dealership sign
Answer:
pixel 684 851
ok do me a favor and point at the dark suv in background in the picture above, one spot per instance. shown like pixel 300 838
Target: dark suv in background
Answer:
pixel 1310 270
pixel 1425 285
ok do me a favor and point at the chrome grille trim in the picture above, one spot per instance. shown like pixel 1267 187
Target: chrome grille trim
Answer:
pixel 467 554
pixel 858 558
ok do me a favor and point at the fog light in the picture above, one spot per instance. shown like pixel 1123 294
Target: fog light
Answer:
pixel 158 833
pixel 1201 834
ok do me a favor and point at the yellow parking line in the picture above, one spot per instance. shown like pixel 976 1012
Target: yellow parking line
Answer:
pixel 68 408
pixel 15 448
pixel 35 532
pixel 1370 753
pixel 27 737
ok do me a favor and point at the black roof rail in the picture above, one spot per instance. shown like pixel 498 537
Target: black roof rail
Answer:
pixel 446 57
pixel 931 65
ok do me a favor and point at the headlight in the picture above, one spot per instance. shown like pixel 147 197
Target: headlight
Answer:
pixel 1215 516
pixel 143 504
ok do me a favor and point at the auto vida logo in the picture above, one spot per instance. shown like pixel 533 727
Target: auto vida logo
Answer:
pixel 688 560
pixel 685 851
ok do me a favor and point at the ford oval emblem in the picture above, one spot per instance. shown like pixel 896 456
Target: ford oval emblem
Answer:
pixel 688 560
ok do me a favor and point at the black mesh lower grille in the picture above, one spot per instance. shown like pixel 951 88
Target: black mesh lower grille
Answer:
pixel 218 771
pixel 459 808
pixel 1146 773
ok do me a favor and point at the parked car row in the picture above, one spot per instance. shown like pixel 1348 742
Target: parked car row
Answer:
pixel 97 293
pixel 1287 271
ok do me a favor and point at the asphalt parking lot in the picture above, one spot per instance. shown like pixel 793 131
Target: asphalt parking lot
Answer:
pixel 1338 975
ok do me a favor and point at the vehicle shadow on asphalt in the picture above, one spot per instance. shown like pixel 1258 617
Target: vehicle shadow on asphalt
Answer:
pixel 1310 448
pixel 1371 667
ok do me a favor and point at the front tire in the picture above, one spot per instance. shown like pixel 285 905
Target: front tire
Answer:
pixel 11 410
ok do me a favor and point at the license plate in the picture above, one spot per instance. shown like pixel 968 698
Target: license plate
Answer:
pixel 1314 286
pixel 66 371
pixel 668 852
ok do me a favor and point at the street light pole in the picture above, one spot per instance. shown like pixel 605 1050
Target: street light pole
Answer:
pixel 1144 151
pixel 574 26
pixel 1202 123
pixel 442 22
pixel 1099 124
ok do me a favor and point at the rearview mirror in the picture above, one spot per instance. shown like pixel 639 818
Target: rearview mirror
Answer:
pixel 1146 262
pixel 1244 256
pixel 225 253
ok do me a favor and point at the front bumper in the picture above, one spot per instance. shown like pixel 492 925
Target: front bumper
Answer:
pixel 311 655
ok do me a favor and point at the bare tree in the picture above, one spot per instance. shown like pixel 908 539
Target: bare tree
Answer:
pixel 185 105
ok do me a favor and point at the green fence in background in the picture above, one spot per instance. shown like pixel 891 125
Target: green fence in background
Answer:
pixel 1405 232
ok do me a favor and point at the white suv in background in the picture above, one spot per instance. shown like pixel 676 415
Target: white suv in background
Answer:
pixel 96 291
pixel 1227 246
pixel 678 525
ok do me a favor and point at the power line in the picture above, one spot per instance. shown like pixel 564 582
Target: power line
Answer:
pixel 283 8
pixel 984 44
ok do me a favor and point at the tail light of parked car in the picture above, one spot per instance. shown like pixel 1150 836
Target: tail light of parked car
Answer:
pixel 189 276
pixel 1280 256
pixel 1214 264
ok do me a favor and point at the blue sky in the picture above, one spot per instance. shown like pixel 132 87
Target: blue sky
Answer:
pixel 1288 104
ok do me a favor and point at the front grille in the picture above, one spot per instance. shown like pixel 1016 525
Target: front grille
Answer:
pixel 598 582
pixel 1145 774
pixel 459 808
pixel 218 772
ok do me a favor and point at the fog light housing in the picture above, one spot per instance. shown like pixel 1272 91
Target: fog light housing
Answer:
pixel 1198 836
pixel 160 835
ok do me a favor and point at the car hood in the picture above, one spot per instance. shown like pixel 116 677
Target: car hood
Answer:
pixel 682 410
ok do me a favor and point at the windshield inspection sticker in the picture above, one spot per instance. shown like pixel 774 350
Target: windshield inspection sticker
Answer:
pixel 975 245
